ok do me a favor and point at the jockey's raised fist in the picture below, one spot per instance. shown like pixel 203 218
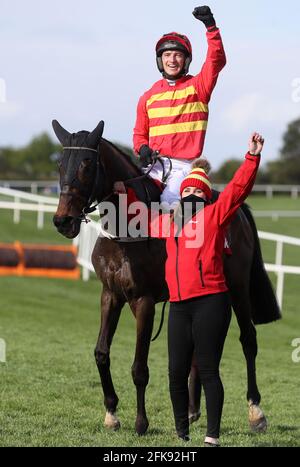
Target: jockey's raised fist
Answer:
pixel 204 14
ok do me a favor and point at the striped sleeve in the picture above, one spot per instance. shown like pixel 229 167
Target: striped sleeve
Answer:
pixel 141 128
pixel 214 63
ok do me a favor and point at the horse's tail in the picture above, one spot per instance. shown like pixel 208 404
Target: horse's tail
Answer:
pixel 265 308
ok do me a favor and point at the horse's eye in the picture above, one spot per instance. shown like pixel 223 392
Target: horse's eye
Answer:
pixel 85 171
pixel 85 164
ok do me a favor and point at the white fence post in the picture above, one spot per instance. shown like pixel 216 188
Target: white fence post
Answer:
pixel 294 192
pixel 85 273
pixel 34 188
pixel 269 191
pixel 17 211
pixel 2 351
pixel 40 217
pixel 279 288
pixel 279 253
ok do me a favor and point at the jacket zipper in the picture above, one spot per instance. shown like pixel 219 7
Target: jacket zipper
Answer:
pixel 177 275
pixel 201 273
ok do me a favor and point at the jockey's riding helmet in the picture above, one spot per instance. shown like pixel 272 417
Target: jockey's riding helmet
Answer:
pixel 174 41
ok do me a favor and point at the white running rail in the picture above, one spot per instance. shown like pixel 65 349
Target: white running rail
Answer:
pixel 89 233
pixel 53 186
pixel 38 203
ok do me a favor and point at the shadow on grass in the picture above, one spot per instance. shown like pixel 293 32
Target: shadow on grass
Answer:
pixel 155 432
pixel 282 444
pixel 94 384
pixel 285 428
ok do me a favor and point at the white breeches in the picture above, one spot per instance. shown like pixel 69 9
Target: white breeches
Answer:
pixel 180 169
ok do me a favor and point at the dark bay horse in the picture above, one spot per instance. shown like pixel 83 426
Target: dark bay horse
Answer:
pixel 133 271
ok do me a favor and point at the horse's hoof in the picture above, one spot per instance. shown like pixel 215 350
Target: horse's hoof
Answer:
pixel 141 426
pixel 260 427
pixel 257 420
pixel 111 421
pixel 193 417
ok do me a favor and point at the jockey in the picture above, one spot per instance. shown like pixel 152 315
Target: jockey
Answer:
pixel 172 116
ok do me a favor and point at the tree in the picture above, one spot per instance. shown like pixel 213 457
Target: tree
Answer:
pixel 36 158
pixel 291 142
pixel 286 169
pixel 226 171
pixel 33 161
pixel 289 169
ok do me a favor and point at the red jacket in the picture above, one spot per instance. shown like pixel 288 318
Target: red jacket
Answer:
pixel 173 119
pixel 198 270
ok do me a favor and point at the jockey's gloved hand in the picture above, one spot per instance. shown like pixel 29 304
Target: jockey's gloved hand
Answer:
pixel 146 155
pixel 204 14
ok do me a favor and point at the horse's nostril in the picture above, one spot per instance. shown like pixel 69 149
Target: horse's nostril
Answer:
pixel 56 221
pixel 61 221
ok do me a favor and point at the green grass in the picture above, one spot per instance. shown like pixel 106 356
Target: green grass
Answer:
pixel 50 390
pixel 277 203
pixel 282 226
pixel 27 231
pixel 50 393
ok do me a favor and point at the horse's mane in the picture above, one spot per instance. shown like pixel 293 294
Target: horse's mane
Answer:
pixel 123 154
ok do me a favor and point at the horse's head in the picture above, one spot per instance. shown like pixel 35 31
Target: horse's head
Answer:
pixel 81 177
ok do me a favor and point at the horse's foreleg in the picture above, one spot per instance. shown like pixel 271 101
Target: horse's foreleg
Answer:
pixel 144 310
pixel 194 393
pixel 110 312
pixel 242 308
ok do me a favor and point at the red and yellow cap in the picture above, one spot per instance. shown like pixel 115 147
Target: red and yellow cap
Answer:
pixel 197 178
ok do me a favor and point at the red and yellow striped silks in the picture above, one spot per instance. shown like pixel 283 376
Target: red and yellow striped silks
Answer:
pixel 176 111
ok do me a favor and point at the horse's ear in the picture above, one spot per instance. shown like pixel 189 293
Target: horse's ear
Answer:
pixel 60 132
pixel 95 136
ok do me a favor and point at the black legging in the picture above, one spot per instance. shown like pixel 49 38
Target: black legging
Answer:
pixel 198 325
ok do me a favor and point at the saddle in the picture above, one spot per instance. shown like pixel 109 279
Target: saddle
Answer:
pixel 147 190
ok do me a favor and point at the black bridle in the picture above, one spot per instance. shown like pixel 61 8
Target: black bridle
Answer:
pixel 89 208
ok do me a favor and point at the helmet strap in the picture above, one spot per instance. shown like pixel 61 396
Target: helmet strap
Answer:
pixel 173 78
pixel 183 72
